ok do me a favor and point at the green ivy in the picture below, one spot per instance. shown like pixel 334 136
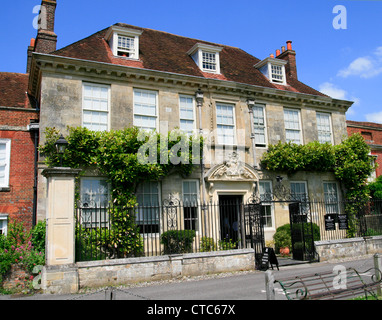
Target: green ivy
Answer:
pixel 127 157
pixel 349 161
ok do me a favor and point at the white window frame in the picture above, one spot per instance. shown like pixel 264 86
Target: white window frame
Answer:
pixel 269 203
pixel 277 73
pixel 329 129
pixel 6 163
pixel 261 127
pixel 3 224
pixel 299 130
pixel 193 204
pixel 84 109
pixel 113 37
pixel 209 61
pixel 183 96
pixel 233 126
pixel 128 51
pixel 140 114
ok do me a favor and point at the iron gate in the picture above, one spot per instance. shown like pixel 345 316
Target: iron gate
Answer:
pixel 302 232
pixel 254 233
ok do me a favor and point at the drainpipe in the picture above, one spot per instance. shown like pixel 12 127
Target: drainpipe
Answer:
pixel 199 96
pixel 251 104
pixel 34 128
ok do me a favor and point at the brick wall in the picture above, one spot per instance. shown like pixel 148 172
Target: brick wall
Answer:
pixel 372 132
pixel 17 200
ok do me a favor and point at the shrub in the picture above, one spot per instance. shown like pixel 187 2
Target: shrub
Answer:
pixel 178 241
pixel 227 244
pixel 282 237
pixel 16 249
pixel 38 236
pixel 207 244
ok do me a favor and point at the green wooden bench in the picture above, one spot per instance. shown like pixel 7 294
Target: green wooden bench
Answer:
pixel 340 284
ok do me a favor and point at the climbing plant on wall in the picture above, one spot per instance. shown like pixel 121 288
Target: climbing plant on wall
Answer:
pixel 349 161
pixel 126 157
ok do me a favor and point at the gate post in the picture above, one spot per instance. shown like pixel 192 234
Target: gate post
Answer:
pixel 59 274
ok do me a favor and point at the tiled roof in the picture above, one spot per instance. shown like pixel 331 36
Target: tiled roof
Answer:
pixel 364 124
pixel 167 52
pixel 13 88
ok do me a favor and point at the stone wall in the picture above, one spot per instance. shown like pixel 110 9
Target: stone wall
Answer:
pixel 348 248
pixel 131 270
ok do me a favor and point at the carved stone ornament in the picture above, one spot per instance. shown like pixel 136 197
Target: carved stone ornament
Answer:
pixel 232 170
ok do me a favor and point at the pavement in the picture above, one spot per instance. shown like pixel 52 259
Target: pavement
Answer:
pixel 230 287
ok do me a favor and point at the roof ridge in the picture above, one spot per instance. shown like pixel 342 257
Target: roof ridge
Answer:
pixel 177 35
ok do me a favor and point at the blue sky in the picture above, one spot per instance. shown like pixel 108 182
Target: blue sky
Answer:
pixel 344 63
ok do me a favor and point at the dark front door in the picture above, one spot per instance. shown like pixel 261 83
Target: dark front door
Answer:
pixel 229 207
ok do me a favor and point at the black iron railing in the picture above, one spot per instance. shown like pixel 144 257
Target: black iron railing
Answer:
pixel 178 227
pixel 170 228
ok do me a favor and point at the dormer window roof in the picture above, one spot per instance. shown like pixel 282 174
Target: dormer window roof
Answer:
pixel 206 56
pixel 273 69
pixel 124 42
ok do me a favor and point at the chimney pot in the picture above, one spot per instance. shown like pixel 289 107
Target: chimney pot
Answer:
pixel 33 40
pixel 283 49
pixel 289 45
pixel 277 52
pixel 272 55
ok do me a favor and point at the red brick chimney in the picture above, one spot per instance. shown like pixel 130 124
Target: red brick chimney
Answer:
pixel 30 51
pixel 46 39
pixel 289 55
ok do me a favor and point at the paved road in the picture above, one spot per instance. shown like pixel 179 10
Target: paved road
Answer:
pixel 234 286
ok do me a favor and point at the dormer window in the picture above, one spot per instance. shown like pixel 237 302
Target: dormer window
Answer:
pixel 273 69
pixel 124 42
pixel 207 57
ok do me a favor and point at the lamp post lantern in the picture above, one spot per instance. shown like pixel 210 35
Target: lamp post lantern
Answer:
pixel 61 145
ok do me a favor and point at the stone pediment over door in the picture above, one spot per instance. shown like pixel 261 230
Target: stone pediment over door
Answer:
pixel 232 170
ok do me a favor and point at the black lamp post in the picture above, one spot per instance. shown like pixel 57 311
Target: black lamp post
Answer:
pixel 61 145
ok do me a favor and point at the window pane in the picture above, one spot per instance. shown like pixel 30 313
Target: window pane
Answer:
pixel 292 126
pixel 147 216
pixel 209 61
pixel 145 109
pixel 225 124
pixel 95 192
pixel 95 107
pixel 190 205
pixel 324 128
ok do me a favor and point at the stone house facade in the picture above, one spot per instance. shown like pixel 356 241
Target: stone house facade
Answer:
pixel 126 76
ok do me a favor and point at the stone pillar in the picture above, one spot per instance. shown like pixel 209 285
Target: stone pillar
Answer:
pixel 59 274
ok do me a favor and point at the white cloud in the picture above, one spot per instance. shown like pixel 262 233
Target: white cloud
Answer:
pixel 374 117
pixel 332 91
pixel 364 67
